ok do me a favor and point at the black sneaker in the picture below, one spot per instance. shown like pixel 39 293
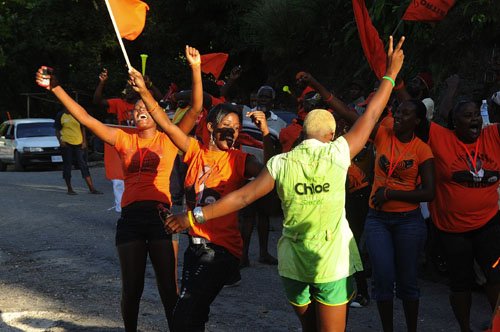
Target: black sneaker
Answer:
pixel 233 281
pixel 359 302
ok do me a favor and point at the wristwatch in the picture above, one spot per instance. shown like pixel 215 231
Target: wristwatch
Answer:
pixel 198 215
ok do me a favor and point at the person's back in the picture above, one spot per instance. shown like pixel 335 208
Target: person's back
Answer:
pixel 311 178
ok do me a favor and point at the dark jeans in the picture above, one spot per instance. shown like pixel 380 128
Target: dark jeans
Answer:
pixel 394 241
pixel 71 153
pixel 207 267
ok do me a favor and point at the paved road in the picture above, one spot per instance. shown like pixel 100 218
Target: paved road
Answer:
pixel 59 270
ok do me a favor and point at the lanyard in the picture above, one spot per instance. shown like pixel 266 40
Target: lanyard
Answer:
pixel 392 166
pixel 473 160
pixel 142 155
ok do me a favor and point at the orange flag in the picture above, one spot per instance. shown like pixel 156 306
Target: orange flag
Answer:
pixel 428 10
pixel 130 17
pixel 213 63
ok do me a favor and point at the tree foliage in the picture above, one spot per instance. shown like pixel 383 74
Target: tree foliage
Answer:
pixel 271 39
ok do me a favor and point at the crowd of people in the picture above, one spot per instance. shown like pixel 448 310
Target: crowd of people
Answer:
pixel 359 183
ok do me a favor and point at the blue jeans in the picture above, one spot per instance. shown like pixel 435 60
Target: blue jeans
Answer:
pixel 394 241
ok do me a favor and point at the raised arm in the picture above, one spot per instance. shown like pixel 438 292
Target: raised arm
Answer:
pixel 360 131
pixel 178 134
pixel 254 166
pixel 234 201
pixel 189 120
pixel 338 106
pixel 105 133
pixel 233 77
pixel 98 99
pixel 446 104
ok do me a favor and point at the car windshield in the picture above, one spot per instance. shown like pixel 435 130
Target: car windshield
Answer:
pixel 35 129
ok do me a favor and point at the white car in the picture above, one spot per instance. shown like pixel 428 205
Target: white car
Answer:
pixel 26 142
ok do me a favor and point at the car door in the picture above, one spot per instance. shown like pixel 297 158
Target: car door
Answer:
pixel 5 141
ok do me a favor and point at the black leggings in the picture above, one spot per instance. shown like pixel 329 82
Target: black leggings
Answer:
pixel 140 233
pixel 133 256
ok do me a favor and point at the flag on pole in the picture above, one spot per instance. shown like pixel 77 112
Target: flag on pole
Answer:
pixel 213 63
pixel 373 47
pixel 130 16
pixel 428 10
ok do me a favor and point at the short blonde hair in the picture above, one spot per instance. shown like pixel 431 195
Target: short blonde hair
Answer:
pixel 319 122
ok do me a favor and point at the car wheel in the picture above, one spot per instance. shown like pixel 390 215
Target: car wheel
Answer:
pixel 18 166
pixel 3 166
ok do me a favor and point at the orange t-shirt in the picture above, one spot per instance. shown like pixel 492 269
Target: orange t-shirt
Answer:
pixel 464 201
pixel 210 176
pixel 147 164
pixel 407 157
pixel 387 121
pixel 121 108
pixel 356 178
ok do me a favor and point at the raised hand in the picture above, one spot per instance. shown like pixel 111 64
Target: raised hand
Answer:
pixel 259 119
pixel 453 81
pixel 103 76
pixel 45 78
pixel 395 57
pixel 193 56
pixel 136 80
pixel 235 73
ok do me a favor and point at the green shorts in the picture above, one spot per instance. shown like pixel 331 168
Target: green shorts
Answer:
pixel 333 293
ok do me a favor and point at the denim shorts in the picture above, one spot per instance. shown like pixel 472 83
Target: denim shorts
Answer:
pixel 394 241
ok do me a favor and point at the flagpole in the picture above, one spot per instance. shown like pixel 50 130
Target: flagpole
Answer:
pixel 396 29
pixel 120 41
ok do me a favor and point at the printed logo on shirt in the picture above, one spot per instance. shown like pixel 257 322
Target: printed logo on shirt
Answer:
pixel 311 188
pixel 149 164
pixel 199 194
pixel 478 176
pixel 403 165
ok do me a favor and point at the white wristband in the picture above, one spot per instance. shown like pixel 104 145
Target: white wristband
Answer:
pixel 198 215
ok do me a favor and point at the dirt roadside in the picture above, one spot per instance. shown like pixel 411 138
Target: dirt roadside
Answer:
pixel 59 270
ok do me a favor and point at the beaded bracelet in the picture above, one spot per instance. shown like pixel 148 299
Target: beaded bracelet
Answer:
pixel 390 80
pixel 195 63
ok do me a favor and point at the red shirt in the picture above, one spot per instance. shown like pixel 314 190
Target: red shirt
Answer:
pixel 210 176
pixel 121 108
pixel 289 135
pixel 466 194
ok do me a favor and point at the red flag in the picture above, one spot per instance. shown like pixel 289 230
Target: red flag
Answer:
pixel 373 47
pixel 428 10
pixel 130 17
pixel 213 63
